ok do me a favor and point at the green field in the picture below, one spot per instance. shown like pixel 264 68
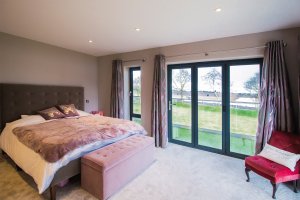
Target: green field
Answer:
pixel 210 117
pixel 243 146
pixel 243 124
pixel 137 120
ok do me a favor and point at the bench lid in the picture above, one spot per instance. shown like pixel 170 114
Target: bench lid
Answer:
pixel 109 156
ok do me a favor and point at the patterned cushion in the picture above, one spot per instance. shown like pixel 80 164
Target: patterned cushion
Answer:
pixel 68 110
pixel 51 113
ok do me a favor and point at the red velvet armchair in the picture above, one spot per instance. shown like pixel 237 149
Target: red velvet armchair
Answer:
pixel 272 171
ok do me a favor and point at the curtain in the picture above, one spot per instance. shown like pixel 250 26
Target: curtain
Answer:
pixel 299 84
pixel 159 102
pixel 275 111
pixel 117 90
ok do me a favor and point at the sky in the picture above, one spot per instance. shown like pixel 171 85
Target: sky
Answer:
pixel 239 74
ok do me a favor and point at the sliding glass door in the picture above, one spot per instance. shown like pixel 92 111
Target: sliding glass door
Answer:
pixel 214 105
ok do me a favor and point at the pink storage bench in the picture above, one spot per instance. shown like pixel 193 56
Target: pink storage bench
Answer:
pixel 106 170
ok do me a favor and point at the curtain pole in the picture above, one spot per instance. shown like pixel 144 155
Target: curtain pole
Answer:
pixel 135 60
pixel 206 53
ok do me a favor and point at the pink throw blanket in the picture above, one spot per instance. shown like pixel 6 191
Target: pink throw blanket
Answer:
pixel 53 139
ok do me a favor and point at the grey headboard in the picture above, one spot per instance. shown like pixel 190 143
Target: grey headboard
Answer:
pixel 21 99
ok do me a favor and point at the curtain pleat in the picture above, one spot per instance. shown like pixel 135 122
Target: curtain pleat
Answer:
pixel 117 90
pixel 159 103
pixel 275 111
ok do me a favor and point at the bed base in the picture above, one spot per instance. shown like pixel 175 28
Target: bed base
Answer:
pixel 70 170
pixel 66 172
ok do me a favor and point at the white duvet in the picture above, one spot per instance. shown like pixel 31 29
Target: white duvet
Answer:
pixel 31 162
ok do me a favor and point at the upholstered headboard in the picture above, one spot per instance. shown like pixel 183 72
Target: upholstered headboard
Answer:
pixel 21 99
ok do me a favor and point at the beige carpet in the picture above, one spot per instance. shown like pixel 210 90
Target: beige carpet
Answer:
pixel 179 173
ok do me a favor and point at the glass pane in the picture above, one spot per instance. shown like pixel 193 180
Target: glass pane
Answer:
pixel 137 120
pixel 244 86
pixel 136 92
pixel 210 107
pixel 181 105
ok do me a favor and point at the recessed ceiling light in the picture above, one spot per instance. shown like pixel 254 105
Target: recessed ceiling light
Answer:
pixel 90 41
pixel 138 29
pixel 218 10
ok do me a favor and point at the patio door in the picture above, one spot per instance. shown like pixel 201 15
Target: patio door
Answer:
pixel 180 105
pixel 214 105
pixel 209 104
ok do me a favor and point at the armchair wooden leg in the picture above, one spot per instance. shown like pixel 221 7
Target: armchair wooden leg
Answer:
pixel 275 186
pixel 295 186
pixel 247 173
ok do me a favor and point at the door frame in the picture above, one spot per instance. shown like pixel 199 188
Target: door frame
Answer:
pixel 131 70
pixel 225 65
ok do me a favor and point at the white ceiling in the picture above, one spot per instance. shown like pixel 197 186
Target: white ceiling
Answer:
pixel 111 23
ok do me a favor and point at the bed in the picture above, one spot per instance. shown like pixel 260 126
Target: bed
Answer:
pixel 19 99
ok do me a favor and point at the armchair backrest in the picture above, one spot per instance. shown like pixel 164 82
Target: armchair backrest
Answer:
pixel 285 141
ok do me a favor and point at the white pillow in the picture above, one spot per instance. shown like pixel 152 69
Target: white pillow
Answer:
pixel 24 116
pixel 82 113
pixel 28 120
pixel 280 156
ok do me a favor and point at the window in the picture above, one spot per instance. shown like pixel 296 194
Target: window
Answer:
pixel 135 94
pixel 214 105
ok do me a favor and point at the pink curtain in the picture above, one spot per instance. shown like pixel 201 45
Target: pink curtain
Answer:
pixel 159 102
pixel 275 111
pixel 117 90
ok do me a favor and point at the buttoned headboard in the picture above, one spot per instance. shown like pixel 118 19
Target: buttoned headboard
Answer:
pixel 21 99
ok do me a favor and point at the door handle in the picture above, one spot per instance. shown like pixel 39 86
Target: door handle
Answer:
pixel 170 105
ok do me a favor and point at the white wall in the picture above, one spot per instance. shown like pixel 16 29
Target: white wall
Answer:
pixel 258 39
pixel 30 62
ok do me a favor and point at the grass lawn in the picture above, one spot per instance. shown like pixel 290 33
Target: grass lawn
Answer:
pixel 210 117
pixel 242 122
pixel 137 120
pixel 137 105
pixel 243 146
